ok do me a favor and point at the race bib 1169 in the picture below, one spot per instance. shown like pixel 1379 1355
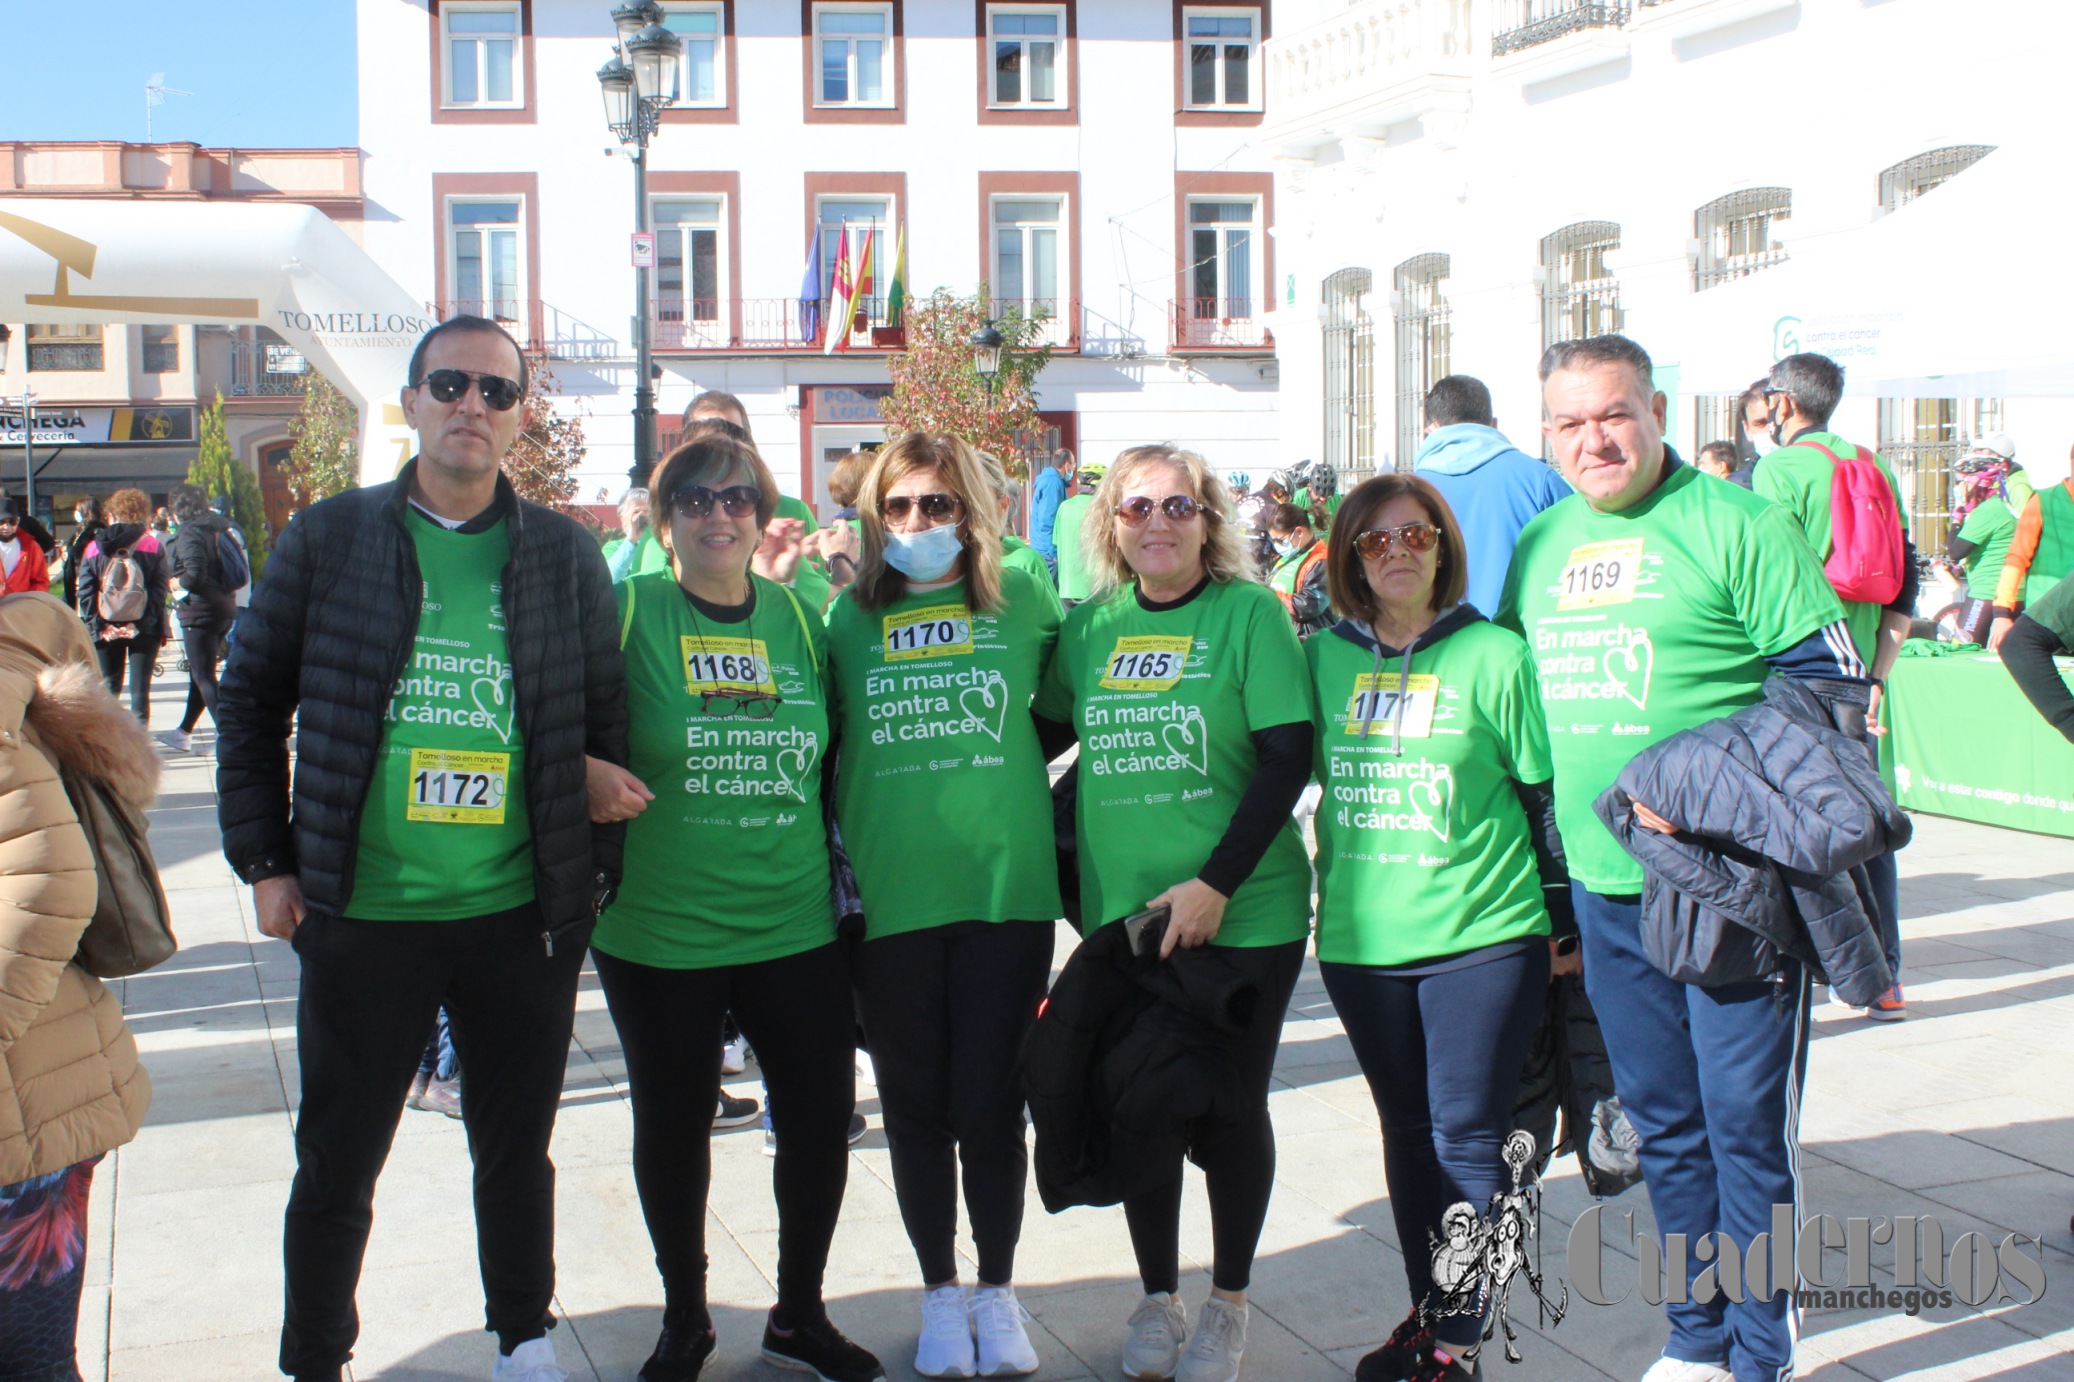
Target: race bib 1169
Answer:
pixel 1600 573
pixel 1149 662
pixel 938 631
pixel 727 664
pixel 1372 709
pixel 457 788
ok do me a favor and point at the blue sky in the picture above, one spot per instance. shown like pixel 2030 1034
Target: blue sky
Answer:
pixel 263 75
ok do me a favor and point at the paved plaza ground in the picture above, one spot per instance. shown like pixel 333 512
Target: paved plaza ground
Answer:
pixel 1965 1112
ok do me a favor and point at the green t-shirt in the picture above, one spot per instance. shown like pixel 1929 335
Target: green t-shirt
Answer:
pixel 443 832
pixel 1283 577
pixel 810 582
pixel 1798 478
pixel 1023 557
pixel 1426 853
pixel 1647 622
pixel 2055 610
pixel 1166 703
pixel 944 800
pixel 1074 582
pixel 729 864
pixel 1991 527
pixel 649 556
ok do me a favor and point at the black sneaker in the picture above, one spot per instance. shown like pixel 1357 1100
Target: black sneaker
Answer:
pixel 1400 1356
pixel 681 1351
pixel 857 1127
pixel 818 1347
pixel 733 1112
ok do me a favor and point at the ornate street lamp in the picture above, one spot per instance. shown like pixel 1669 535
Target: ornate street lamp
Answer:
pixel 638 84
pixel 986 346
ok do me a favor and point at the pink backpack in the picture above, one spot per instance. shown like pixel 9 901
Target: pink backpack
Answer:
pixel 1866 551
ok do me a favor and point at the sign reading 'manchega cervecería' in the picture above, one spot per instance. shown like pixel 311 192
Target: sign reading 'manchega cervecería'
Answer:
pixel 59 425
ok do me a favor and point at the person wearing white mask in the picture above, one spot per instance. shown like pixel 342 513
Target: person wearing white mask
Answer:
pixel 944 802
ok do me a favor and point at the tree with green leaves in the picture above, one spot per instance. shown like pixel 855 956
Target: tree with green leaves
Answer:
pixel 216 472
pixel 325 459
pixel 937 386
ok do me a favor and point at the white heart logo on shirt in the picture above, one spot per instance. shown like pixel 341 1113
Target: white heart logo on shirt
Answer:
pixel 1189 740
pixel 1629 667
pixel 794 764
pixel 987 702
pixel 498 701
pixel 1435 799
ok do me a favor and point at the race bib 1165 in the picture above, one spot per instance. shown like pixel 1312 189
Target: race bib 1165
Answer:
pixel 457 788
pixel 1372 709
pixel 1149 662
pixel 938 631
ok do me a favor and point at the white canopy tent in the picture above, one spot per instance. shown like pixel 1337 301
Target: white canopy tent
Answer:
pixel 285 267
pixel 1963 292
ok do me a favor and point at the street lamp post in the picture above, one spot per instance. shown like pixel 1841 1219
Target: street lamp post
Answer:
pixel 986 346
pixel 638 83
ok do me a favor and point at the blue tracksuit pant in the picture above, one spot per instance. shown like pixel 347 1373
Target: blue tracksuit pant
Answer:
pixel 1711 1079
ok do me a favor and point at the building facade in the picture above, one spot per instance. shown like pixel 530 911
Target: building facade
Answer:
pixel 1094 164
pixel 1462 182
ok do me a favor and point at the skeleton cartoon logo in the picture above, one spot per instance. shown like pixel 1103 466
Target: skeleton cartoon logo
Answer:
pixel 1477 1262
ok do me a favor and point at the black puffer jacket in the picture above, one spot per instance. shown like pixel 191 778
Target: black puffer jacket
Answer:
pixel 330 631
pixel 1779 812
pixel 198 567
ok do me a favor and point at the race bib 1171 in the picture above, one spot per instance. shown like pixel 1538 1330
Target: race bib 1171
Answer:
pixel 455 788
pixel 1372 709
pixel 1600 573
pixel 938 631
pixel 727 664
pixel 1149 662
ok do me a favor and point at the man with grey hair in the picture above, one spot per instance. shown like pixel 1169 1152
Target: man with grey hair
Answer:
pixel 1687 595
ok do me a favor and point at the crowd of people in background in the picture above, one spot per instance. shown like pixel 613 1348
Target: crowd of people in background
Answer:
pixel 798 788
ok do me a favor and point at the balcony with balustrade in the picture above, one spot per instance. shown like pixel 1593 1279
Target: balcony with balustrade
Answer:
pixel 1370 66
pixel 1228 326
pixel 542 327
pixel 792 326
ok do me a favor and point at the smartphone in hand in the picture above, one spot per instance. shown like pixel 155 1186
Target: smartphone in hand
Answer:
pixel 1145 930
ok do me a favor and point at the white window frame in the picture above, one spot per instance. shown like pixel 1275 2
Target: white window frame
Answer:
pixel 1254 72
pixel 447 11
pixel 889 80
pixel 521 296
pixel 1255 258
pixel 720 93
pixel 1056 329
pixel 886 232
pixel 696 333
pixel 1059 59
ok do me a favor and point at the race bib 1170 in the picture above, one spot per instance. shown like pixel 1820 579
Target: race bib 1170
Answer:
pixel 727 664
pixel 1149 662
pixel 1600 573
pixel 457 788
pixel 1372 709
pixel 939 631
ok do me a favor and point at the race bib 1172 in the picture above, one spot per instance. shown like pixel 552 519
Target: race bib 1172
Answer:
pixel 727 664
pixel 1600 573
pixel 457 788
pixel 1149 662
pixel 1372 709
pixel 938 631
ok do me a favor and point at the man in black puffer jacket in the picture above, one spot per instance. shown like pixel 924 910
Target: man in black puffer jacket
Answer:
pixel 448 656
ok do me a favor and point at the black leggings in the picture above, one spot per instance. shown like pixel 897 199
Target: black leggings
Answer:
pixel 1238 1159
pixel 796 1012
pixel 1442 1054
pixel 204 643
pixel 945 1011
pixel 138 655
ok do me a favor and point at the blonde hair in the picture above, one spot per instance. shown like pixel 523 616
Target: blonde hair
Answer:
pixel 964 475
pixel 128 506
pixel 1224 551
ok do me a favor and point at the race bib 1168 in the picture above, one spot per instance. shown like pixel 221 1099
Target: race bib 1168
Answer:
pixel 1149 662
pixel 1600 573
pixel 1372 709
pixel 457 788
pixel 727 664
pixel 938 631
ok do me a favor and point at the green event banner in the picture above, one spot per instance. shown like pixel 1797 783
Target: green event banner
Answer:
pixel 1964 742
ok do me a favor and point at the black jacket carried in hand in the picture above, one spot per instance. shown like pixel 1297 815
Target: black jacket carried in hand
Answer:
pixel 153 566
pixel 1778 813
pixel 329 633
pixel 1128 1056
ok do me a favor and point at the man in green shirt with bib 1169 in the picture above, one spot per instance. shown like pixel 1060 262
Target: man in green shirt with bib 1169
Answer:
pixel 1653 600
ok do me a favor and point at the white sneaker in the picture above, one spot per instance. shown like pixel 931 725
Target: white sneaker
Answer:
pixel 1219 1345
pixel 945 1348
pixel 531 1361
pixel 997 1326
pixel 179 739
pixel 866 1071
pixel 1158 1328
pixel 1669 1369
pixel 734 1057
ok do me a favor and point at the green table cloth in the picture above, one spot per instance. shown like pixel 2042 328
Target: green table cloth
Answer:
pixel 1964 742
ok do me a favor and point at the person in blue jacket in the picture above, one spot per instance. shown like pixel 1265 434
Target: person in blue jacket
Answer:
pixel 1492 486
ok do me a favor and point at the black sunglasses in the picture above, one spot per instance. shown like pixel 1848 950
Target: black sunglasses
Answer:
pixel 1136 511
pixel 696 501
pixel 499 394
pixel 937 508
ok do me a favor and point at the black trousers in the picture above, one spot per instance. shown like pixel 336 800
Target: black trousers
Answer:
pixel 371 991
pixel 945 1011
pixel 1238 1159
pixel 138 655
pixel 796 1012
pixel 203 637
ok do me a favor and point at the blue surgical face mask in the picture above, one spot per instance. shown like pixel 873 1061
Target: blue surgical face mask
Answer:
pixel 1282 548
pixel 925 556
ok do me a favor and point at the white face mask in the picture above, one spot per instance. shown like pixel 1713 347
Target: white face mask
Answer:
pixel 925 556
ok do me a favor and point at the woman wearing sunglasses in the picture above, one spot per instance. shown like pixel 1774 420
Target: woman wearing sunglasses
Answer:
pixel 1438 871
pixel 725 901
pixel 945 810
pixel 1184 681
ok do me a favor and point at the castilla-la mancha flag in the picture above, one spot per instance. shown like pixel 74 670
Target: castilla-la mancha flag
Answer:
pixel 842 296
